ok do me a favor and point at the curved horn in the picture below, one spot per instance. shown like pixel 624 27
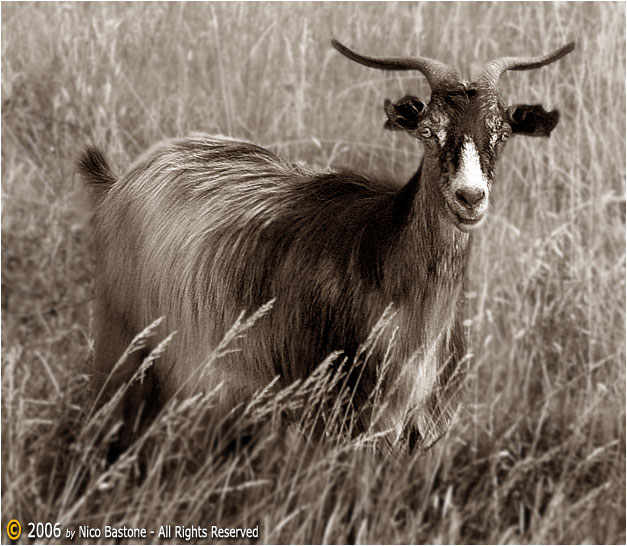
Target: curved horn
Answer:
pixel 493 71
pixel 435 71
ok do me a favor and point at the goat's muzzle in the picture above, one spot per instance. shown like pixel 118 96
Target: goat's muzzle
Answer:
pixel 466 220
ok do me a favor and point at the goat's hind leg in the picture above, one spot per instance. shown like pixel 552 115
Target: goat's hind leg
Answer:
pixel 112 377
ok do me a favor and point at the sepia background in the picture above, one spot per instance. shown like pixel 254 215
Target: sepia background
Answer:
pixel 537 453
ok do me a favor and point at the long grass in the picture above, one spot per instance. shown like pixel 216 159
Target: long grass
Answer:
pixel 537 453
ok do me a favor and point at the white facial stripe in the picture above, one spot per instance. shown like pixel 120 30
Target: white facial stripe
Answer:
pixel 470 174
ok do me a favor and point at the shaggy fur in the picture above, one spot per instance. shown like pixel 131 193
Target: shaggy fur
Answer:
pixel 202 228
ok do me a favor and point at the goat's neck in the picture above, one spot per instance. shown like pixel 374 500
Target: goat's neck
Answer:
pixel 435 252
pixel 428 268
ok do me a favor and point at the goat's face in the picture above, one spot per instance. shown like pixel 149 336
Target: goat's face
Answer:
pixel 464 125
pixel 464 131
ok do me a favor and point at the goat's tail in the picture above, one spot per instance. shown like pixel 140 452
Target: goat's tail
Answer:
pixel 95 170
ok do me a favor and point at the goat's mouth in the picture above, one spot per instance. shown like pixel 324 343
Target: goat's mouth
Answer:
pixel 465 222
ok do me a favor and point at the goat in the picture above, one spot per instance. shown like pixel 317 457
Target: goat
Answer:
pixel 201 228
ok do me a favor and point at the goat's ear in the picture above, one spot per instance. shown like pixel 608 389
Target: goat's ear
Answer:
pixel 532 120
pixel 403 115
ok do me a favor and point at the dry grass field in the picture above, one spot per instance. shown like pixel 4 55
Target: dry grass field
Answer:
pixel 537 453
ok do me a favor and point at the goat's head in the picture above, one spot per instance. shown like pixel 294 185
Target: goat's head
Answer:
pixel 464 125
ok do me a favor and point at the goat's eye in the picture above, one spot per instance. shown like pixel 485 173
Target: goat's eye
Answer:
pixel 425 132
pixel 505 136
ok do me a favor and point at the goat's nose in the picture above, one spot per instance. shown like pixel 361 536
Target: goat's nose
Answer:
pixel 470 197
